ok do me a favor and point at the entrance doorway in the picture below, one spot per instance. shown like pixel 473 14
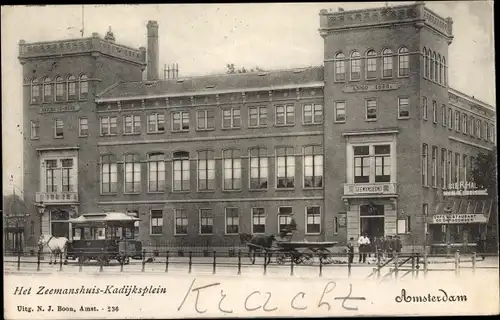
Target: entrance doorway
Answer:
pixel 371 220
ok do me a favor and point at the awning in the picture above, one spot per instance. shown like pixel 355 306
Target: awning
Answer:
pixel 457 211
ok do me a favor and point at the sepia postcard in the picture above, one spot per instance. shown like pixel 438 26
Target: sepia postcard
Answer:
pixel 249 160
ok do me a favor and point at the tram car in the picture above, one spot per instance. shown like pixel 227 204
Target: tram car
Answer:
pixel 104 237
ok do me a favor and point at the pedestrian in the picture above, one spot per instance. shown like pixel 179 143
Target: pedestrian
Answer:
pixel 363 243
pixel 350 251
pixel 480 246
pixel 389 247
pixel 397 244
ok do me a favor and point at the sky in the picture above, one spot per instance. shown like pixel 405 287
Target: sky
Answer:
pixel 203 38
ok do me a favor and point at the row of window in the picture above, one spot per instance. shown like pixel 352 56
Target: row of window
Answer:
pixel 435 68
pixel 461 121
pixel 372 61
pixel 445 167
pixel 59 89
pixel 371 109
pixel 206 170
pixel 232 220
pixel 60 173
pixel 205 120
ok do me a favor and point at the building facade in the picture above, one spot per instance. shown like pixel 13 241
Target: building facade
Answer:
pixel 364 144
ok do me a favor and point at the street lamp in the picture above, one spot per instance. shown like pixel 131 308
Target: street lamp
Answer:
pixel 41 209
pixel 447 211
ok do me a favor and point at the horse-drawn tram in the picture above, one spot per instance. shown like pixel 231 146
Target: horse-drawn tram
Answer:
pixel 104 236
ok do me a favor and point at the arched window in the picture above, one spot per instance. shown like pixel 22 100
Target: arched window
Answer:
pixel 387 63
pixel 47 90
pixel 258 168
pixel 371 64
pixel 436 68
pixel 426 70
pixel 181 171
pixel 35 91
pixel 404 62
pixel 445 71
pixel 59 89
pixel 440 61
pixel 84 87
pixel 71 87
pixel 433 59
pixel 132 173
pixel 156 172
pixel 429 62
pixel 340 67
pixel 108 174
pixel 355 66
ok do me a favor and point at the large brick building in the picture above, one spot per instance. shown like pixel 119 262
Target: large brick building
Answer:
pixel 364 144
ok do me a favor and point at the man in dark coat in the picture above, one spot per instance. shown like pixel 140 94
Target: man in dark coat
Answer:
pixel 350 251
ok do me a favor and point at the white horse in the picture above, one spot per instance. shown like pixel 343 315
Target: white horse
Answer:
pixel 56 245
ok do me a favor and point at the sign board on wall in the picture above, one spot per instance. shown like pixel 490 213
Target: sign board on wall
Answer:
pixel 458 218
pixel 342 219
pixel 370 87
pixel 61 108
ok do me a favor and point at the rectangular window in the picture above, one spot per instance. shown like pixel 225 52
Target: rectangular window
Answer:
pixel 156 172
pixel 108 126
pixel 456 175
pixel 231 118
pixel 181 221
pixel 434 112
pixel 382 163
pixel 457 121
pixel 258 168
pixel 180 121
pixel 465 123
pixel 485 131
pixel 285 115
pixel 443 115
pixel 50 175
pixel 67 181
pixel 340 111
pixel 181 173
pixel 35 129
pixel 424 107
pixel 132 173
pixel 258 220
pixel 450 167
pixel 232 170
pixel 472 126
pixel 464 168
pixel 313 167
pixel 371 109
pixel 205 119
pixel 403 108
pixel 361 164
pixel 425 169
pixel 232 221
pixel 443 168
pixel 156 222
pixel 83 127
pixel 312 114
pixel 450 118
pixel 492 133
pixel 478 129
pixel 132 124
pixel 257 117
pixel 58 128
pixel 206 170
pixel 434 176
pixel 285 164
pixel 109 174
pixel 206 221
pixel 156 123
pixel 313 218
pixel 284 218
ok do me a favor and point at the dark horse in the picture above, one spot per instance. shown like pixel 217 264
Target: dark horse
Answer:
pixel 256 243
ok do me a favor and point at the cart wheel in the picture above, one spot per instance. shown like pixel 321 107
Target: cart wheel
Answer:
pixel 308 259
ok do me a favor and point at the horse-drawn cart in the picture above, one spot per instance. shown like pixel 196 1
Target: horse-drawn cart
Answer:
pixel 104 236
pixel 302 252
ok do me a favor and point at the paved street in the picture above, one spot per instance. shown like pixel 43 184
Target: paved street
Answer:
pixel 229 267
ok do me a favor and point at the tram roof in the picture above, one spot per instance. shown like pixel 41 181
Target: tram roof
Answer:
pixel 104 217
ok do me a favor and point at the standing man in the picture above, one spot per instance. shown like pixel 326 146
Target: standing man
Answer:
pixel 363 243
pixel 350 251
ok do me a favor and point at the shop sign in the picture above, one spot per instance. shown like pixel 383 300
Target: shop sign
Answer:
pixel 370 87
pixel 342 219
pixel 464 188
pixel 377 188
pixel 458 218
pixel 61 108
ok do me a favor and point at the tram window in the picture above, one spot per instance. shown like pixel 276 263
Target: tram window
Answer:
pixel 87 233
pixel 77 234
pixel 100 234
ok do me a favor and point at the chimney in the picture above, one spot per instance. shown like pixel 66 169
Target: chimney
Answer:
pixel 152 53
